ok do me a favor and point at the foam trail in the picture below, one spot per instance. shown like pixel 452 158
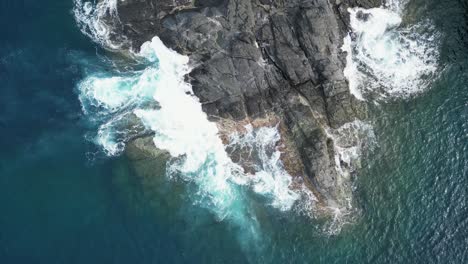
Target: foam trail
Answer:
pixel 97 20
pixel 386 59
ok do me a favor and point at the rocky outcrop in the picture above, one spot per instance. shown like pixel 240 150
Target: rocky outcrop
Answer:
pixel 257 58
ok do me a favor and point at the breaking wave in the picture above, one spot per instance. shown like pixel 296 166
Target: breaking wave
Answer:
pixel 387 58
pixel 157 100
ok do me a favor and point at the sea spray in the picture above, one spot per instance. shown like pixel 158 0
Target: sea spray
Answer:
pixel 386 58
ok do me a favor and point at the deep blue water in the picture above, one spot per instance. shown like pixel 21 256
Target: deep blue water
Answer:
pixel 57 205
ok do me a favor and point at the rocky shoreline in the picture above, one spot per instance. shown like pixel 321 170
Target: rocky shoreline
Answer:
pixel 261 62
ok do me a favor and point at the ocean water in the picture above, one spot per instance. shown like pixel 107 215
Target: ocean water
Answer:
pixel 68 196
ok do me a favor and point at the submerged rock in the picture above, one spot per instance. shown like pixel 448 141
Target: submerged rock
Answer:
pixel 146 158
pixel 257 59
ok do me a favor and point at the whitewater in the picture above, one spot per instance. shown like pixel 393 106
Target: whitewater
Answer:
pixel 386 58
pixel 182 128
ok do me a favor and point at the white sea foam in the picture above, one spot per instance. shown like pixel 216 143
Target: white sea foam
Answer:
pixel 386 58
pixel 182 128
pixel 96 20
pixel 270 178
pixel 350 71
pixel 115 93
pixel 350 140
pixel 180 125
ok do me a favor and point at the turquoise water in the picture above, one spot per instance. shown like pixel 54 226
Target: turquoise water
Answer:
pixel 63 201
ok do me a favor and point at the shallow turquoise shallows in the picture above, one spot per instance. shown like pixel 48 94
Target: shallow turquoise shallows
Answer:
pixel 63 201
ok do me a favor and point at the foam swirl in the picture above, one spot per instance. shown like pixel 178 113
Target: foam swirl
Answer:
pixel 387 59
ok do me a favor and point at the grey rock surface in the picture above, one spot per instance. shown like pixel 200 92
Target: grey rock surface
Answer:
pixel 253 58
